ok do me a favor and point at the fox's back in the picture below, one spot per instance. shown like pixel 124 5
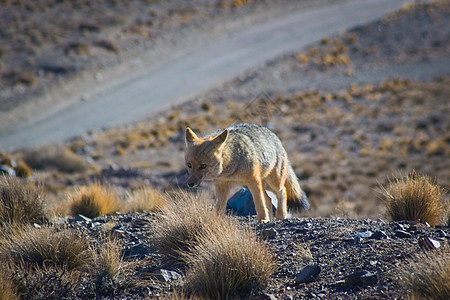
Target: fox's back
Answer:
pixel 249 144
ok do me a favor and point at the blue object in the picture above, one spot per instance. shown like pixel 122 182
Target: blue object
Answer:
pixel 241 203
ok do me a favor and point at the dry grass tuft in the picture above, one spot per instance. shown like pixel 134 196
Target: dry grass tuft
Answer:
pixel 93 201
pixel 8 290
pixel 109 259
pixel 227 264
pixel 415 197
pixel 187 218
pixel 146 199
pixel 56 157
pixel 428 276
pixel 20 202
pixel 45 247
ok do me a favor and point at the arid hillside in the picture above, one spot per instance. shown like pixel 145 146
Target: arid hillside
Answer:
pixel 363 116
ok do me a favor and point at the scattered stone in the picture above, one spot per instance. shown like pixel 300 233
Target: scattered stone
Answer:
pixel 5 170
pixel 402 234
pixel 308 274
pixel 428 244
pixel 362 278
pixel 168 276
pixel 379 234
pixel 441 233
pixel 364 234
pixel 81 218
pixel 269 233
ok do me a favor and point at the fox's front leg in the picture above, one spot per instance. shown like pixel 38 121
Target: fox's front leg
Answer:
pixel 222 191
pixel 256 188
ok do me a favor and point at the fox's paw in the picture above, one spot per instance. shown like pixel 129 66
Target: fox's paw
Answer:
pixel 263 221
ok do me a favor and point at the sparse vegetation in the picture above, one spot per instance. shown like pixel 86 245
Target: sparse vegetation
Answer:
pixel 45 247
pixel 415 198
pixel 21 202
pixel 227 263
pixel 145 199
pixel 181 226
pixel 55 157
pixel 93 201
pixel 7 288
pixel 428 276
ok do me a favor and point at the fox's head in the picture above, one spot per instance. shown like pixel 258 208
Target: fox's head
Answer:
pixel 203 157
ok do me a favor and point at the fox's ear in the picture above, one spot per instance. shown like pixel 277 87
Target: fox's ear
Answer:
pixel 221 138
pixel 190 135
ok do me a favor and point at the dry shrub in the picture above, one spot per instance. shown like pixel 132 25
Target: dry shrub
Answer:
pixel 428 276
pixel 21 202
pixel 8 290
pixel 146 199
pixel 187 218
pixel 56 157
pixel 46 247
pixel 414 197
pixel 22 169
pixel 109 259
pixel 232 262
pixel 93 201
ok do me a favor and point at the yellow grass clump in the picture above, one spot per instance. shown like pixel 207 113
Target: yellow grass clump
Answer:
pixel 93 201
pixel 146 199
pixel 415 198
pixel 44 248
pixel 428 276
pixel 228 264
pixel 21 202
pixel 183 223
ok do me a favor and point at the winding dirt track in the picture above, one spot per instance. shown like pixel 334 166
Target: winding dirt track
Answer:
pixel 182 76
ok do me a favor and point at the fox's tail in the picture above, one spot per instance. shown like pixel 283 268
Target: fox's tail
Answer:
pixel 296 197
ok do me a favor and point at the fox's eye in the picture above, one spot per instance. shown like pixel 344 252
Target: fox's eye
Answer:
pixel 189 165
pixel 203 166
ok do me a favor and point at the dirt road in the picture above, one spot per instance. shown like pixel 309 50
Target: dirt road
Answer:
pixel 181 75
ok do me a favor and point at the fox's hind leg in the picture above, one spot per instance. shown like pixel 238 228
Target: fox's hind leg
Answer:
pixel 259 199
pixel 276 185
pixel 268 201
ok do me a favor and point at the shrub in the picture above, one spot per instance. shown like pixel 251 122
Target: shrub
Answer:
pixel 428 276
pixel 187 218
pixel 232 262
pixel 93 201
pixel 22 169
pixel 54 156
pixel 146 199
pixel 45 247
pixel 414 197
pixel 7 288
pixel 20 202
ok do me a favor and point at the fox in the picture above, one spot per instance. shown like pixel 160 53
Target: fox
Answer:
pixel 250 155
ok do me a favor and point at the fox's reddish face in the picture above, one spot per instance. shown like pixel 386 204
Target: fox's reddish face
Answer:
pixel 203 157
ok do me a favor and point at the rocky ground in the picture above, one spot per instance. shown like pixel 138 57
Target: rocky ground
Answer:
pixel 317 258
pixel 352 111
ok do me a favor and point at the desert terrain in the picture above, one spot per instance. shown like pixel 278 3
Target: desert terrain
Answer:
pixel 354 110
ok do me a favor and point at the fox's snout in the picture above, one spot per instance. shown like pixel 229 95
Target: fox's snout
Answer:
pixel 193 181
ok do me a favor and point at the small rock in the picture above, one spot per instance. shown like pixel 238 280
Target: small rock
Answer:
pixel 379 235
pixel 362 278
pixel 308 274
pixel 269 233
pixel 364 234
pixel 168 275
pixel 441 233
pixel 427 244
pixel 81 218
pixel 402 234
pixel 36 225
pixel 400 226
pixel 5 170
